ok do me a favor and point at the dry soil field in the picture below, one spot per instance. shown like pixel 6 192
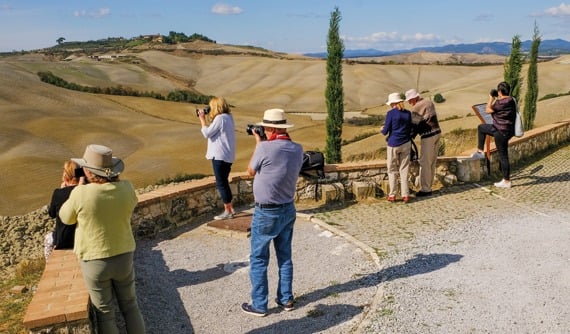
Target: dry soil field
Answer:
pixel 42 125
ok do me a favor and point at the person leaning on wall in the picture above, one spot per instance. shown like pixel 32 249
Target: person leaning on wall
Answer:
pixel 104 241
pixel 503 109
pixel 424 119
pixel 221 148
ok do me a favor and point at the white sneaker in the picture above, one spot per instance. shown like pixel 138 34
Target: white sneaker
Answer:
pixel 503 184
pixel 478 155
pixel 225 215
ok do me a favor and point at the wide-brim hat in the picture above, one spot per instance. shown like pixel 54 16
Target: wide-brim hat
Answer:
pixel 275 118
pixel 99 160
pixel 394 98
pixel 411 94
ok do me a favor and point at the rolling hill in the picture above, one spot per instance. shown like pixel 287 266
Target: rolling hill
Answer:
pixel 42 125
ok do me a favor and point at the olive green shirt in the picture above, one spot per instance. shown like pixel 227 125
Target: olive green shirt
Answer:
pixel 103 214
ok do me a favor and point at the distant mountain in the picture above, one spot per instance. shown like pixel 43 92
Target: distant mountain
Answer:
pixel 547 48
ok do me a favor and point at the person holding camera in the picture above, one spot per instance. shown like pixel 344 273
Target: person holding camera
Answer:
pixel 424 119
pixel 63 235
pixel 221 148
pixel 398 127
pixel 502 108
pixel 104 241
pixel 275 165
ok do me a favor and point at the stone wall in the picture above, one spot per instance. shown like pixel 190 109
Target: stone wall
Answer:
pixel 178 204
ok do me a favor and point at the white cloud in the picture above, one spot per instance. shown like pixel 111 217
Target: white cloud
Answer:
pixel 391 40
pixel 560 11
pixel 225 9
pixel 101 12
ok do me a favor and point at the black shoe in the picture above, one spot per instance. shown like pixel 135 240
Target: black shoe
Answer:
pixel 248 308
pixel 288 306
pixel 423 193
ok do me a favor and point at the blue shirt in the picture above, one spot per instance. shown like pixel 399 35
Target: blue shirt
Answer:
pixel 398 127
pixel 277 164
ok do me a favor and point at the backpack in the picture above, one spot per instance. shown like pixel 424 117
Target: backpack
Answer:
pixel 313 161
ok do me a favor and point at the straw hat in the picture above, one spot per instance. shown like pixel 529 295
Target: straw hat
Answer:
pixel 275 118
pixel 394 98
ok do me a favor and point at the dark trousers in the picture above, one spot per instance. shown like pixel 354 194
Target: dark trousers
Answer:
pixel 222 171
pixel 501 143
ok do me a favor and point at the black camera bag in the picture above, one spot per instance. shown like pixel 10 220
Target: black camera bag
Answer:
pixel 313 161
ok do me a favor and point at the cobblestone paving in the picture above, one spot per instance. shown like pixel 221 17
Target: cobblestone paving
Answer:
pixel 542 186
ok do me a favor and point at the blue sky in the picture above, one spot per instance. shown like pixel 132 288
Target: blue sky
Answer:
pixel 295 26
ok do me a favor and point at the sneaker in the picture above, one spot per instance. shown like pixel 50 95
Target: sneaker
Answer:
pixel 225 215
pixel 391 198
pixel 423 193
pixel 248 308
pixel 478 155
pixel 288 306
pixel 503 184
pixel 406 199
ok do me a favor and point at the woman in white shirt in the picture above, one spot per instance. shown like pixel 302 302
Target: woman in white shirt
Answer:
pixel 221 148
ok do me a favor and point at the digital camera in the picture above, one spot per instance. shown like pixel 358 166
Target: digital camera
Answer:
pixel 79 172
pixel 206 110
pixel 250 129
pixel 494 93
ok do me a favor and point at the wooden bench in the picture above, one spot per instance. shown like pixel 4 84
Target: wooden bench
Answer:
pixel 61 302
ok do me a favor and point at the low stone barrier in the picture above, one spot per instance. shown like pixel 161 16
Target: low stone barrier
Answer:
pixel 60 303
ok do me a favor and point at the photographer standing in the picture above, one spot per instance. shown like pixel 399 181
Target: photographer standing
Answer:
pixel 221 148
pixel 276 163
pixel 502 108
pixel 104 241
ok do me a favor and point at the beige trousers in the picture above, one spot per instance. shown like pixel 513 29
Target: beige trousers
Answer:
pixel 399 165
pixel 428 160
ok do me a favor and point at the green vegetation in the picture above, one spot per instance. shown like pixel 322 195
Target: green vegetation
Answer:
pixel 14 304
pixel 513 67
pixel 180 178
pixel 372 120
pixel 334 93
pixel 553 95
pixel 177 95
pixel 438 98
pixel 531 96
pixel 359 137
pixel 179 37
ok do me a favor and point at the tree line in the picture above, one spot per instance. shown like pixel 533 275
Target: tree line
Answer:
pixel 176 95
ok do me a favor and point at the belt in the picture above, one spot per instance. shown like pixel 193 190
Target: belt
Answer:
pixel 431 134
pixel 270 205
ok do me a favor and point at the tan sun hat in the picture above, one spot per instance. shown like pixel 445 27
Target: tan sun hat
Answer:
pixel 411 94
pixel 275 118
pixel 394 98
pixel 99 160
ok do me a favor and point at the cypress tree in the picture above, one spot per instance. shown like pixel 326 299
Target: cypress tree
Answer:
pixel 531 97
pixel 513 67
pixel 334 94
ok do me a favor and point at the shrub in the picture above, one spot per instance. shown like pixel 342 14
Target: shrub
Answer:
pixel 438 98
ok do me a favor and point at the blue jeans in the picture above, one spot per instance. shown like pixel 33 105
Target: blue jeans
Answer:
pixel 222 171
pixel 271 224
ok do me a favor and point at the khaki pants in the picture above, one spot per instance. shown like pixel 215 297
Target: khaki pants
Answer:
pixel 428 160
pixel 113 276
pixel 399 164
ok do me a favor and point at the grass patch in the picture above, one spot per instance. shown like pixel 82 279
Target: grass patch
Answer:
pixel 14 304
pixel 180 178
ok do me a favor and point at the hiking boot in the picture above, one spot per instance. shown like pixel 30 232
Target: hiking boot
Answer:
pixel 288 306
pixel 225 215
pixel 248 308
pixel 478 155
pixel 503 184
